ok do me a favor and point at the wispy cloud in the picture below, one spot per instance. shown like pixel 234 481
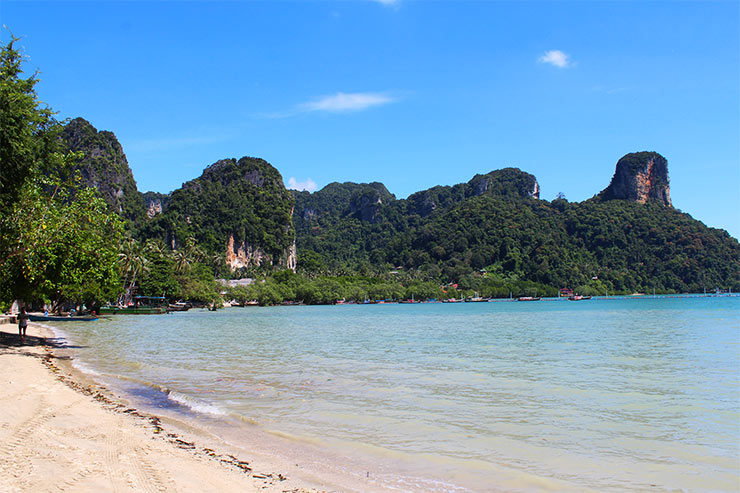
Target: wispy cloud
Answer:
pixel 388 2
pixel 556 58
pixel 340 102
pixel 309 185
pixel 344 102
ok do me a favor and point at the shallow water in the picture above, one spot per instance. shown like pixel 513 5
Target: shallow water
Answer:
pixel 601 394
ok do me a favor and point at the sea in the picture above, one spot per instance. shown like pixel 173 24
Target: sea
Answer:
pixel 628 393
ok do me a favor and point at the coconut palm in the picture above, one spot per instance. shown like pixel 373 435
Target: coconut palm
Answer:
pixel 132 261
pixel 217 261
pixel 187 255
pixel 182 260
pixel 154 247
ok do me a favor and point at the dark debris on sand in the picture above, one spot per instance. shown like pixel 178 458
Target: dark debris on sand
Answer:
pixel 155 424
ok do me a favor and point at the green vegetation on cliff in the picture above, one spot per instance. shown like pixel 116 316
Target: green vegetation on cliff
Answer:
pixel 491 235
pixel 103 166
pixel 244 200
pixel 497 234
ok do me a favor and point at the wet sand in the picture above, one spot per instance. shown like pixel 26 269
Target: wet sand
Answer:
pixel 60 431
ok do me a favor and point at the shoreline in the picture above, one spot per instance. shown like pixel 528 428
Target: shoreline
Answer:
pixel 330 459
pixel 164 450
pixel 61 429
pixel 287 462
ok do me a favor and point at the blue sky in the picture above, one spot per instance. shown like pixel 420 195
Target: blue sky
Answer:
pixel 408 93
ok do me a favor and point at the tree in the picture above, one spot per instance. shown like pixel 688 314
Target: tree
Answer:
pixel 187 255
pixel 57 241
pixel 27 129
pixel 132 262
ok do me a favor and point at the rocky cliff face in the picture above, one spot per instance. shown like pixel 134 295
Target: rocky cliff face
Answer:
pixel 104 166
pixel 155 203
pixel 340 200
pixel 241 255
pixel 507 182
pixel 366 202
pixel 237 207
pixel 640 177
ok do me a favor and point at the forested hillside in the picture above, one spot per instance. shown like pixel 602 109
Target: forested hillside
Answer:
pixel 63 189
pixel 497 230
pixel 239 209
pixel 492 232
pixel 103 166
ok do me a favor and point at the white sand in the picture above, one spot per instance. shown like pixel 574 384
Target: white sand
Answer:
pixel 59 432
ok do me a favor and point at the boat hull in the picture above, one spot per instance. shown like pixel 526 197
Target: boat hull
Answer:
pixel 175 307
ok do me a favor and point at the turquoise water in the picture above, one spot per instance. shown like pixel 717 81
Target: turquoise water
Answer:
pixel 601 394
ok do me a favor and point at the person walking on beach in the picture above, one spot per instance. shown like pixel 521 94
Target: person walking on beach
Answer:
pixel 22 323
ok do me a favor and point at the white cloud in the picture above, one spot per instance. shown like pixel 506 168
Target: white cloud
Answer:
pixel 309 185
pixel 343 102
pixel 338 103
pixel 388 2
pixel 556 58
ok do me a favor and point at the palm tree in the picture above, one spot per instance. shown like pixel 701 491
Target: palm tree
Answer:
pixel 187 255
pixel 154 247
pixel 217 262
pixel 182 260
pixel 132 262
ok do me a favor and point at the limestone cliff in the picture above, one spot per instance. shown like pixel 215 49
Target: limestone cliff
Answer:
pixel 104 166
pixel 640 177
pixel 507 183
pixel 239 208
pixel 366 202
pixel 155 203
pixel 241 255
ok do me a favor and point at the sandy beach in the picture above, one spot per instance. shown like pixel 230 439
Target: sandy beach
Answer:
pixel 61 432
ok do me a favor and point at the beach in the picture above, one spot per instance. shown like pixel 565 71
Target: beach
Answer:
pixel 59 431
pixel 617 394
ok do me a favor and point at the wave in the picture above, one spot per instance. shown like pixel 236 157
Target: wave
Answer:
pixel 84 368
pixel 194 404
pixel 62 337
pixel 163 393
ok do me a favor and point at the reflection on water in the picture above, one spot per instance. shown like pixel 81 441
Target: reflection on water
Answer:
pixel 598 394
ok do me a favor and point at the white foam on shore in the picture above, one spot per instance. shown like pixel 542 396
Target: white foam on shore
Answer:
pixel 60 335
pixel 79 365
pixel 195 404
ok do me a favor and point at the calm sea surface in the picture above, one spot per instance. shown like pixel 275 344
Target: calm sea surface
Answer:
pixel 600 394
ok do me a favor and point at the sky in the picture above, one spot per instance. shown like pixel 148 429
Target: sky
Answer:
pixel 409 93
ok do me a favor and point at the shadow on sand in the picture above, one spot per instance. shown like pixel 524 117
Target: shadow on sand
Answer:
pixel 10 342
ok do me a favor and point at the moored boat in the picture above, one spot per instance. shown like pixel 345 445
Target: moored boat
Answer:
pixel 179 306
pixel 141 305
pixel 529 298
pixel 578 297
pixel 132 310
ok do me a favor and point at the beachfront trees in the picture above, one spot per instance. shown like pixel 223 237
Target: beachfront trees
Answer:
pixel 57 241
pixel 132 262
